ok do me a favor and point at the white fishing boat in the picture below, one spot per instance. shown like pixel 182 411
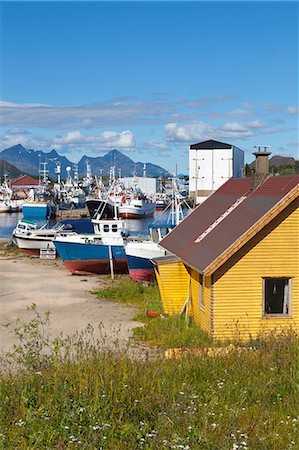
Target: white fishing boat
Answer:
pixel 136 206
pixel 7 202
pixel 31 239
pixel 8 206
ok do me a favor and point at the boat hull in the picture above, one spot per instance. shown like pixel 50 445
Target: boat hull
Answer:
pixel 139 256
pixel 137 209
pixel 8 208
pixel 95 266
pixel 135 215
pixel 88 258
pixel 141 269
pixel 32 246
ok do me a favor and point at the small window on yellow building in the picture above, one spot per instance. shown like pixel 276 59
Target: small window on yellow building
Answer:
pixel 200 289
pixel 277 296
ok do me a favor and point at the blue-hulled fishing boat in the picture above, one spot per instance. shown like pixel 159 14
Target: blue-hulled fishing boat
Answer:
pixel 98 253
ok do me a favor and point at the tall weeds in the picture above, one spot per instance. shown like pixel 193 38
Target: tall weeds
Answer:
pixel 83 395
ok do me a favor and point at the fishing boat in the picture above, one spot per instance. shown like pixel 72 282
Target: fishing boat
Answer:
pixel 141 251
pixel 137 206
pixel 105 201
pixel 7 202
pixel 8 206
pixel 162 197
pixel 162 201
pixel 31 239
pixel 99 253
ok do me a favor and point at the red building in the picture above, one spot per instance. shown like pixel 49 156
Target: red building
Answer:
pixel 23 182
pixel 22 185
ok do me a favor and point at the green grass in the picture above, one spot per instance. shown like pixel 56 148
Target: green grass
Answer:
pixel 164 332
pixel 172 332
pixel 8 249
pixel 124 290
pixel 84 397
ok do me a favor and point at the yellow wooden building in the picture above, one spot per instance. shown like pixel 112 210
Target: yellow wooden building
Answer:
pixel 235 263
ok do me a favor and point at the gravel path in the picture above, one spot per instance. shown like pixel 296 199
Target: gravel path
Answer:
pixel 68 298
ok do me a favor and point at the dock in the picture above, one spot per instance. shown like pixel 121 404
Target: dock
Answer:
pixel 73 213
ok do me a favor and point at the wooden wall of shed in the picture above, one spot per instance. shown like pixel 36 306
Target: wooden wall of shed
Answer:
pixel 238 284
pixel 173 282
pixel 201 313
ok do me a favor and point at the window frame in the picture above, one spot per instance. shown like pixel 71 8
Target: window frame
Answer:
pixel 200 291
pixel 277 315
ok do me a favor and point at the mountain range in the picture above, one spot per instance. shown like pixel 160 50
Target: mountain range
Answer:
pixel 8 169
pixel 28 161
pixel 18 160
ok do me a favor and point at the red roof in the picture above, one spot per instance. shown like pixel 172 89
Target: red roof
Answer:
pixel 233 219
pixel 24 180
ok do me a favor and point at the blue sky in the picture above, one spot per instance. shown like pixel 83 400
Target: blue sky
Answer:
pixel 149 78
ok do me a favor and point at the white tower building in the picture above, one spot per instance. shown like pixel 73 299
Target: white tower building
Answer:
pixel 212 163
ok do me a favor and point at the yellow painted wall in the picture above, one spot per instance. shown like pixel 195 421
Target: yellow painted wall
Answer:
pixel 201 314
pixel 173 281
pixel 238 291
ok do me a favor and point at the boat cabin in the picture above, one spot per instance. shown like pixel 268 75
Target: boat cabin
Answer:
pixel 110 230
pixel 25 226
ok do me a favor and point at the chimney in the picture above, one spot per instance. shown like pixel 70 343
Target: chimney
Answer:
pixel 262 167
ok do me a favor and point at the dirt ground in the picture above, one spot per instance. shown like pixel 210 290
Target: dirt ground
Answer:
pixel 68 298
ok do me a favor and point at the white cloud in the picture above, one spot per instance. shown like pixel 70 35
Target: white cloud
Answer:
pixel 235 127
pixel 124 139
pixel 188 132
pixel 197 131
pixel 240 112
pixel 5 104
pixel 293 110
pixel 99 115
pixel 107 139
pixel 28 141
pixel 73 140
pixel 256 124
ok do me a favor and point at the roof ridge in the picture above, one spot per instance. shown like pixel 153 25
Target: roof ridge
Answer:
pixel 220 218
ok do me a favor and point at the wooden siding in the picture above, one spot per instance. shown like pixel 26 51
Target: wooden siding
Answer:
pixel 201 314
pixel 173 281
pixel 238 286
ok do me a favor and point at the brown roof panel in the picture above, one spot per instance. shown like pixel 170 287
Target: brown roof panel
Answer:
pixel 183 236
pixel 181 241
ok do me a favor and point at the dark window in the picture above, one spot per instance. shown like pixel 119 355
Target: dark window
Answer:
pixel 114 228
pixel 277 295
pixel 106 228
